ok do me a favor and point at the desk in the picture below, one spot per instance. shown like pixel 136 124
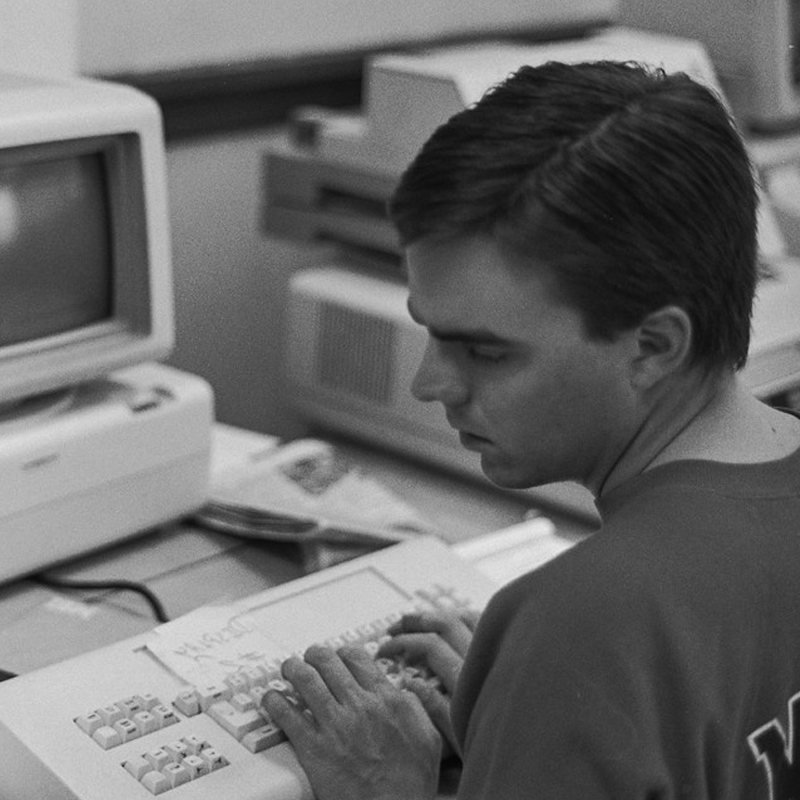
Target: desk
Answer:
pixel 187 566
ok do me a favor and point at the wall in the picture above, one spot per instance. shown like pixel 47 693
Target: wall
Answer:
pixel 230 281
pixel 39 36
pixel 182 33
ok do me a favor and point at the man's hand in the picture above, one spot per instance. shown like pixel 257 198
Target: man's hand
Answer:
pixel 358 736
pixel 439 641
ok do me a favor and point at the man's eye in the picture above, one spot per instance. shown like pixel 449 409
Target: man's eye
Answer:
pixel 486 353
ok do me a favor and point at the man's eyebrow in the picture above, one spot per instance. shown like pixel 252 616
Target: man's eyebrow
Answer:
pixel 468 335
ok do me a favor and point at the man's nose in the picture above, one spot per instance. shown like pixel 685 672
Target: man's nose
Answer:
pixel 438 378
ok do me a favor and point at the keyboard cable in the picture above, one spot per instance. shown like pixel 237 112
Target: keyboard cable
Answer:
pixel 155 604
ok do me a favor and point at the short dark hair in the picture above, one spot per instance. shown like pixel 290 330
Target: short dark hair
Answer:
pixel 632 185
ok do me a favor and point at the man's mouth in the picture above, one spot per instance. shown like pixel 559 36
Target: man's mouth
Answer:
pixel 471 441
pixel 468 438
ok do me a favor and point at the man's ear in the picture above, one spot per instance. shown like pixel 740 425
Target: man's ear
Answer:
pixel 663 342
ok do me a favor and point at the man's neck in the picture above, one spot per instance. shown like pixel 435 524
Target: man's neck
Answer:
pixel 710 418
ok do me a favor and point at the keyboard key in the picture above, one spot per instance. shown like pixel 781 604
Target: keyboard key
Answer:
pixel 127 729
pixel 212 693
pixel 158 758
pixel 89 723
pixel 187 702
pixel 164 715
pixel 243 702
pixel 391 618
pixel 195 766
pixel 255 676
pixel 372 648
pixel 107 737
pixel 177 750
pixel 148 701
pixel 130 706
pixel 263 738
pixel 236 723
pixel 237 683
pixel 386 665
pixel 176 774
pixel 110 714
pixel 145 722
pixel 194 743
pixel 213 758
pixel 257 693
pixel 155 782
pixel 138 766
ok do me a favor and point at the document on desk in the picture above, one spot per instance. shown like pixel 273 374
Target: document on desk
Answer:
pixel 306 491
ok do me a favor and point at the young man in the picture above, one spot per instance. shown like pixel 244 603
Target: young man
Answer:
pixel 581 247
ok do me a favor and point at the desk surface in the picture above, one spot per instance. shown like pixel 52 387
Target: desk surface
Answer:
pixel 187 566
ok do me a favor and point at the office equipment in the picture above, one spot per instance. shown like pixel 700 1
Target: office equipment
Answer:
pixel 86 291
pixel 507 554
pixel 174 692
pixel 351 161
pixel 84 240
pixel 754 44
pixel 122 454
pixel 407 96
pixel 351 347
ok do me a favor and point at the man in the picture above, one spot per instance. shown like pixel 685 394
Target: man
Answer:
pixel 581 247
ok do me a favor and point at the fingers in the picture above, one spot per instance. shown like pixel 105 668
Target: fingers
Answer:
pixel 470 618
pixel 341 673
pixel 363 668
pixel 437 707
pixel 325 678
pixel 428 649
pixel 376 744
pixel 455 629
pixel 297 726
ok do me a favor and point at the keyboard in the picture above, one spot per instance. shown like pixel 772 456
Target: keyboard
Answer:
pixel 176 712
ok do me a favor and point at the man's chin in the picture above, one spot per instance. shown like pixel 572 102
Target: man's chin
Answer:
pixel 506 476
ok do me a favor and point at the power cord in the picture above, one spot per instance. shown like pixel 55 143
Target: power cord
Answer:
pixel 128 586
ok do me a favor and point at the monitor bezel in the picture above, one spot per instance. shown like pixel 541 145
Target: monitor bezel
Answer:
pixel 43 118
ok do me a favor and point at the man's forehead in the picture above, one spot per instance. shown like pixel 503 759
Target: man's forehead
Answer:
pixel 469 274
pixel 453 327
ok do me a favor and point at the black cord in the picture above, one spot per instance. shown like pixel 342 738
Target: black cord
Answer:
pixel 129 586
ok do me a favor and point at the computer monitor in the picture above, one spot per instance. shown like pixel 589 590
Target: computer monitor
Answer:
pixel 97 442
pixel 85 271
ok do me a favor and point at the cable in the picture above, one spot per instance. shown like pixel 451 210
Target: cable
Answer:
pixel 128 586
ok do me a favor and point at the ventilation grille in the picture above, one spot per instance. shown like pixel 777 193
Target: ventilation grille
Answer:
pixel 356 353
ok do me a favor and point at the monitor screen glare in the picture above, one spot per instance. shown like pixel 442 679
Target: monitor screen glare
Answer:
pixel 55 248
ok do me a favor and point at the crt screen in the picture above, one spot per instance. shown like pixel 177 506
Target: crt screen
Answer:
pixel 55 248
